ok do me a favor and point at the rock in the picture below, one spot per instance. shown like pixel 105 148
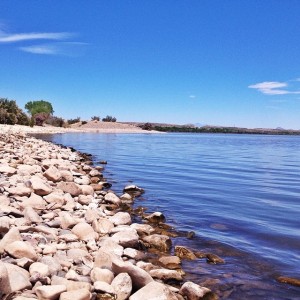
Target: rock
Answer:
pixel 156 217
pixel 105 275
pixel 39 186
pixel 133 189
pixel 18 278
pixel 55 200
pixel 110 246
pixel 70 187
pixel 138 276
pixel 81 294
pixel 4 280
pixel 34 201
pixel 66 220
pixel 53 174
pixel 160 242
pixel 28 169
pixel 165 274
pixel 52 263
pixel 39 268
pixel 143 228
pixel 95 173
pixel 193 291
pixel 9 171
pixel 133 253
pixel 112 198
pixel 289 280
pixel 50 292
pixel 84 232
pixel 184 253
pixel 103 260
pixel 121 218
pixel 66 175
pixel 153 291
pixel 85 199
pixel 5 223
pixel 103 287
pixel 170 261
pixel 19 190
pixel 19 249
pixel 103 226
pixel 87 190
pixel 11 236
pixel 126 198
pixel 31 215
pixel 127 238
pixel 214 259
pixel 122 285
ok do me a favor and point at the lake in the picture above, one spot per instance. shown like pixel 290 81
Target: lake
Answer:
pixel 240 194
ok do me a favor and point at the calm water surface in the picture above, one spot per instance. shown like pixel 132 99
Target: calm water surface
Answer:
pixel 239 193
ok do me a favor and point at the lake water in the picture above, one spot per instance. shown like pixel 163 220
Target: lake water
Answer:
pixel 240 194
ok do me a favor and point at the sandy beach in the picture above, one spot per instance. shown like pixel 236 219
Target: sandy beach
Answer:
pixel 92 126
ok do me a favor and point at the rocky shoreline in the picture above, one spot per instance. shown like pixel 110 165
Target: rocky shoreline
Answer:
pixel 66 235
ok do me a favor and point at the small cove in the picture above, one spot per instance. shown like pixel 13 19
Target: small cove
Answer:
pixel 238 193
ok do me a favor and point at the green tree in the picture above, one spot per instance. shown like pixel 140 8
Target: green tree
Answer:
pixel 11 114
pixel 40 111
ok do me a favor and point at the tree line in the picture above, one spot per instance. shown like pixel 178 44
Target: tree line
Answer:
pixel 39 112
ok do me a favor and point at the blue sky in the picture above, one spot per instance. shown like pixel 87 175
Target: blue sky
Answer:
pixel 233 62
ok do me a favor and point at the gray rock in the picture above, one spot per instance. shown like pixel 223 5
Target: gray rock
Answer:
pixel 122 285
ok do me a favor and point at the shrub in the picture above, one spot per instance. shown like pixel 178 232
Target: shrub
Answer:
pixel 11 114
pixel 73 121
pixel 109 119
pixel 147 126
pixel 83 122
pixel 55 121
pixel 95 118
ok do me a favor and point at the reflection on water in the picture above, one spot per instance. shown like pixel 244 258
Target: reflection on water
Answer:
pixel 239 193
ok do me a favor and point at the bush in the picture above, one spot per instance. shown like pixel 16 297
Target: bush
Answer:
pixel 83 122
pixel 55 121
pixel 11 114
pixel 95 118
pixel 109 119
pixel 73 121
pixel 147 126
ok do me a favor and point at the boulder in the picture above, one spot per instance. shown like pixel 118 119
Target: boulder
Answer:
pixel 102 226
pixel 121 218
pixel 53 174
pixel 156 217
pixel 87 190
pixel 18 278
pixel 138 276
pixel 105 275
pixel 11 236
pixel 39 186
pixel 80 294
pixel 122 285
pixel 70 187
pixel 4 280
pixel 20 249
pixel 102 287
pixel 31 216
pixel 112 198
pixel 193 291
pixel 84 232
pixel 50 292
pixel 6 169
pixel 34 201
pixel 165 274
pixel 185 253
pixel 160 242
pixel 39 268
pixel 126 238
pixel 153 291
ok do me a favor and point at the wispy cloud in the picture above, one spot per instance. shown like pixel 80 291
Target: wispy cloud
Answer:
pixel 13 38
pixel 61 48
pixel 192 96
pixel 273 88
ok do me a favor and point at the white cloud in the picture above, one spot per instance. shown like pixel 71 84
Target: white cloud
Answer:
pixel 192 96
pixel 273 88
pixel 72 49
pixel 12 38
pixel 41 49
